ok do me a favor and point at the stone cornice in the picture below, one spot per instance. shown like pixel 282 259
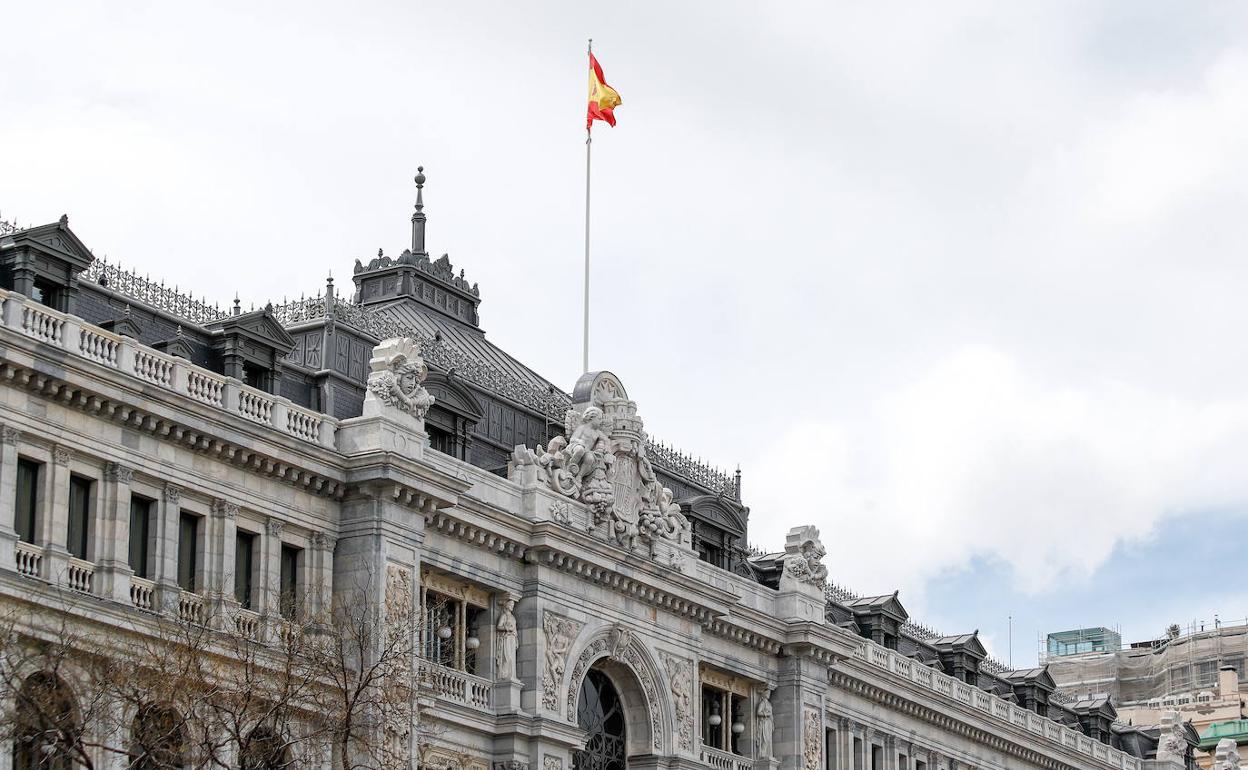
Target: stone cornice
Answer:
pixel 173 418
pixel 1066 747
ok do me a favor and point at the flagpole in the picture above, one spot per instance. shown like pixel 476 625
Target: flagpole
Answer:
pixel 589 139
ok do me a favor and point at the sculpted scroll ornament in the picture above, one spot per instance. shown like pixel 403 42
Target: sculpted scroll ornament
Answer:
pixel 560 632
pixel 397 374
pixel 680 676
pixel 812 740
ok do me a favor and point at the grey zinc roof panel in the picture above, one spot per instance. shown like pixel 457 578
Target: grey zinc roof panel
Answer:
pixel 471 342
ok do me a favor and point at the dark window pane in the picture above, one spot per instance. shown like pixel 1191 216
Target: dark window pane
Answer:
pixel 140 523
pixel 289 586
pixel 27 499
pixel 244 544
pixel 188 551
pixel 79 512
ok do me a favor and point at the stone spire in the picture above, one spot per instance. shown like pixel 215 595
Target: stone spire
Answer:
pixel 418 218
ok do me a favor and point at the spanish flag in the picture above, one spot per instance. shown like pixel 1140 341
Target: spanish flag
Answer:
pixel 603 99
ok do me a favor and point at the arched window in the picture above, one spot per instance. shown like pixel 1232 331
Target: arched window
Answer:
pixel 265 750
pixel 157 740
pixel 47 725
pixel 600 714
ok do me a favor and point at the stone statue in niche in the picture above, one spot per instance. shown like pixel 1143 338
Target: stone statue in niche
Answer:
pixel 396 380
pixel 505 653
pixel 764 725
pixel 803 560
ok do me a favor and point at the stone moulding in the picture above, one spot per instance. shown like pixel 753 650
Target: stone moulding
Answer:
pixel 954 720
pixel 618 644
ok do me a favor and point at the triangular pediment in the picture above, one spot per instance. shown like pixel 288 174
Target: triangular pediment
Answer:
pixel 55 240
pixel 259 326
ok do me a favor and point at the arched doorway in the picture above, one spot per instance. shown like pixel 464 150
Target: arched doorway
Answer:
pixel 157 740
pixel 600 713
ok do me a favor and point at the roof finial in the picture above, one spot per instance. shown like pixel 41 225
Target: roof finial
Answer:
pixel 418 218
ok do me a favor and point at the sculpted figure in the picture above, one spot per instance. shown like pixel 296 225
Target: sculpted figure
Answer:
pixel 505 653
pixel 618 640
pixel 764 726
pixel 1172 743
pixel 1226 755
pixel 398 371
pixel 804 554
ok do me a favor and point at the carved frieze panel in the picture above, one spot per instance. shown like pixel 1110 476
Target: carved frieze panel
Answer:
pixel 560 632
pixel 680 681
pixel 812 740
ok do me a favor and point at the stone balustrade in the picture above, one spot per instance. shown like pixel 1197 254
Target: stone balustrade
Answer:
pixel 178 375
pixel 191 607
pixel 457 686
pixel 80 576
pixel 724 760
pixel 247 623
pixel 142 593
pixel 992 705
pixel 29 560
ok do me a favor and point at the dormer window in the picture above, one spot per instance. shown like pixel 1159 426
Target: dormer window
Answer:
pixel 251 347
pixel 43 263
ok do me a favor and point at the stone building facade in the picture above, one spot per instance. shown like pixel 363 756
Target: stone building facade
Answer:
pixel 587 598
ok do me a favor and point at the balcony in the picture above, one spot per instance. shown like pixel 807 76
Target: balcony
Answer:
pixel 724 760
pixel 80 576
pixel 142 593
pixel 29 560
pixel 457 686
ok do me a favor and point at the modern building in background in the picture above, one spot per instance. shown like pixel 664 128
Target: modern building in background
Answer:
pixel 586 596
pixel 1197 671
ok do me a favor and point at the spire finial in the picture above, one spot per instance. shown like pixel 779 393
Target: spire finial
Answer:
pixel 418 218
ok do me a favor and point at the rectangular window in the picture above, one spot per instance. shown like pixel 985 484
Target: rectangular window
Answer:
pixel 289 581
pixel 79 515
pixel 244 550
pixel 140 531
pixel 713 717
pixel 25 513
pixel 877 757
pixel 1180 677
pixel 858 754
pixel 188 551
pixel 829 749
pixel 441 613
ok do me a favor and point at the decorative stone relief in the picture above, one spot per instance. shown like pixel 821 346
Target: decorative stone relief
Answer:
pixel 225 509
pixel 397 711
pixel 60 455
pixel 9 435
pixel 561 513
pixel 560 632
pixel 680 679
pixel 620 647
pixel 119 473
pixel 273 527
pixel 506 642
pixel 803 555
pixel 552 762
pixel 812 740
pixel 1226 755
pixel 511 764
pixel 395 382
pixel 764 725
pixel 1172 744
pixel 601 461
pixel 172 494
pixel 323 542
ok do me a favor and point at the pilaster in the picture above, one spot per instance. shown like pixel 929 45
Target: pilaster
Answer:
pixel 9 437
pixel 219 555
pixel 54 521
pixel 166 542
pixel 111 547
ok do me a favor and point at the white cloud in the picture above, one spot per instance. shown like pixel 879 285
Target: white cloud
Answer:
pixel 978 459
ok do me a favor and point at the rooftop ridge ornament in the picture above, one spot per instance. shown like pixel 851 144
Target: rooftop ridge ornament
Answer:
pixel 418 217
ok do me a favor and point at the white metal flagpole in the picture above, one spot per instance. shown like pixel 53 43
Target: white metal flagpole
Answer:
pixel 585 332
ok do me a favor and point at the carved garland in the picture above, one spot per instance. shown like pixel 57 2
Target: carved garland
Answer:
pixel 627 651
pixel 812 742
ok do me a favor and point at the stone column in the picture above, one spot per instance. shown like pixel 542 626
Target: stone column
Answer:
pixel 9 437
pixel 890 753
pixel 54 518
pixel 799 713
pixel 219 559
pixel 845 744
pixel 166 556
pixel 111 549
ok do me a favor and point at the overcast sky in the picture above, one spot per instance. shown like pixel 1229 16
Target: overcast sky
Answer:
pixel 961 283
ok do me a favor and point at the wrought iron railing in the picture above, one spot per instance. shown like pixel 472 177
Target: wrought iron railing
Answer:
pixel 147 291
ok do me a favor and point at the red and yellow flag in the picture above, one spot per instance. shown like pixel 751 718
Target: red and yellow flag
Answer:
pixel 603 99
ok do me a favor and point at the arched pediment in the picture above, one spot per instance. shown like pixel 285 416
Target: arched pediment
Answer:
pixel 635 673
pixel 453 396
pixel 714 509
